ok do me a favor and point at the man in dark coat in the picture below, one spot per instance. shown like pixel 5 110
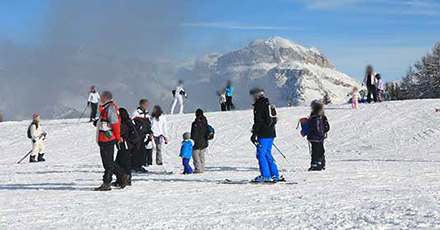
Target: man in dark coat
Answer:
pixel 199 129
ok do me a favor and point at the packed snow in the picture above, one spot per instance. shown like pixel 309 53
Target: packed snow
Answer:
pixel 382 173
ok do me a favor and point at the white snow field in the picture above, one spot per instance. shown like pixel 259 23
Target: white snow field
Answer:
pixel 382 172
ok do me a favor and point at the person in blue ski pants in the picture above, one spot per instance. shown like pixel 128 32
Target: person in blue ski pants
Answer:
pixel 268 168
pixel 263 135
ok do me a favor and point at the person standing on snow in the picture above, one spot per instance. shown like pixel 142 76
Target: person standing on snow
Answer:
pixel 178 94
pixel 222 99
pixel 108 128
pixel 93 102
pixel 379 88
pixel 318 127
pixel 199 129
pixel 141 118
pixel 159 130
pixel 38 136
pixel 186 152
pixel 370 81
pixel 229 93
pixel 131 142
pixel 263 135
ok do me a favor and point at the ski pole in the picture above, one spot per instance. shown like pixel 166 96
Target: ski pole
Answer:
pixel 284 156
pixel 18 162
pixel 83 112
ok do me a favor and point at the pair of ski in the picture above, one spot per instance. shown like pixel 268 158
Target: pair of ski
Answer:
pixel 228 181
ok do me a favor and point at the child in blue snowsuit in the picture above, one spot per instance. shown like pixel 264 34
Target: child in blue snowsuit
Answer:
pixel 318 127
pixel 186 152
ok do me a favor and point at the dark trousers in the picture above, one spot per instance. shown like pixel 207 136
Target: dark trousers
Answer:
pixel 223 106
pixel 186 167
pixel 138 157
pixel 229 104
pixel 318 157
pixel 149 156
pixel 94 107
pixel 372 91
pixel 124 159
pixel 110 166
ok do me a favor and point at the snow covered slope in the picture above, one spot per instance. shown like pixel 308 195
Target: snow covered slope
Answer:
pixel 290 73
pixel 382 173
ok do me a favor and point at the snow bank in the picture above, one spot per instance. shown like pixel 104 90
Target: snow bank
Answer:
pixel 382 173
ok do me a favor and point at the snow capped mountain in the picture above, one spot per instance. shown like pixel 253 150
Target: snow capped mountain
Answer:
pixel 290 73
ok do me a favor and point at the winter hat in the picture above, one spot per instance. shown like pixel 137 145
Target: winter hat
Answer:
pixel 35 116
pixel 256 91
pixel 316 106
pixel 186 136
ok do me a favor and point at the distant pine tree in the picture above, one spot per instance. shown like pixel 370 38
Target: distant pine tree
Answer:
pixel 423 79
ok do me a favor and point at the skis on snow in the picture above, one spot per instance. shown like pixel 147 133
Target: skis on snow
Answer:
pixel 228 181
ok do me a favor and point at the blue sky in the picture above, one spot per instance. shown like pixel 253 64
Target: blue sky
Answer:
pixel 390 34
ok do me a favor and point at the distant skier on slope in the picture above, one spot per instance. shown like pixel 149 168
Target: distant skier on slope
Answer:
pixel 379 87
pixel 93 102
pixel 222 99
pixel 38 136
pixel 108 135
pixel 263 135
pixel 229 93
pixel 178 94
pixel 318 127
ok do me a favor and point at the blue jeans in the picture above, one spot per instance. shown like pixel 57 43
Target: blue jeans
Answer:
pixel 186 167
pixel 268 168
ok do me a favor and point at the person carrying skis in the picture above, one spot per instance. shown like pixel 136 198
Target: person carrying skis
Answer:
pixel 370 81
pixel 108 128
pixel 130 143
pixel 141 118
pixel 178 94
pixel 186 152
pixel 263 135
pixel 229 93
pixel 38 136
pixel 379 87
pixel 159 132
pixel 318 127
pixel 93 102
pixel 199 130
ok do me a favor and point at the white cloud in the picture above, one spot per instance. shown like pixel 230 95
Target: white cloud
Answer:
pixel 234 26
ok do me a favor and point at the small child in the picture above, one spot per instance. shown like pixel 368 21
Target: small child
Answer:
pixel 379 87
pixel 355 96
pixel 186 152
pixel 318 127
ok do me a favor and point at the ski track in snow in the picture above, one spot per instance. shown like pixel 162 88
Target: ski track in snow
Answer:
pixel 382 173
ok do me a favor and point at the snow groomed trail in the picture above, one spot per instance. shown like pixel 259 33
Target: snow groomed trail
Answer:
pixel 382 173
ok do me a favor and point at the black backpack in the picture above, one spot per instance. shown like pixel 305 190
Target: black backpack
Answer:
pixel 272 115
pixel 29 134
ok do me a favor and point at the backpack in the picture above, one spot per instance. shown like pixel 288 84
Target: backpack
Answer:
pixel 210 131
pixel 272 110
pixel 304 123
pixel 29 134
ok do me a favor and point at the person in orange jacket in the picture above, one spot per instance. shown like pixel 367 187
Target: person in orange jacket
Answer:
pixel 108 135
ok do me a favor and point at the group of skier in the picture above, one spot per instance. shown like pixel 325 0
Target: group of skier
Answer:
pixel 137 135
pixel 375 88
pixel 225 96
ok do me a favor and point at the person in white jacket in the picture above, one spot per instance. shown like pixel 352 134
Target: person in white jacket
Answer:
pixel 159 130
pixel 38 136
pixel 93 102
pixel 178 94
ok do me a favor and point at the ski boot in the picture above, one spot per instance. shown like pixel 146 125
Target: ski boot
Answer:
pixel 279 179
pixel 104 187
pixel 41 157
pixel 32 159
pixel 117 183
pixel 261 179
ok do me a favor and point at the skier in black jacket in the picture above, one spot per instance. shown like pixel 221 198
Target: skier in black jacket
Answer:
pixel 141 118
pixel 199 129
pixel 263 135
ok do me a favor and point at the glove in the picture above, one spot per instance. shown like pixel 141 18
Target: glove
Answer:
pixel 254 140
pixel 33 141
pixel 165 140
pixel 88 103
pixel 108 133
